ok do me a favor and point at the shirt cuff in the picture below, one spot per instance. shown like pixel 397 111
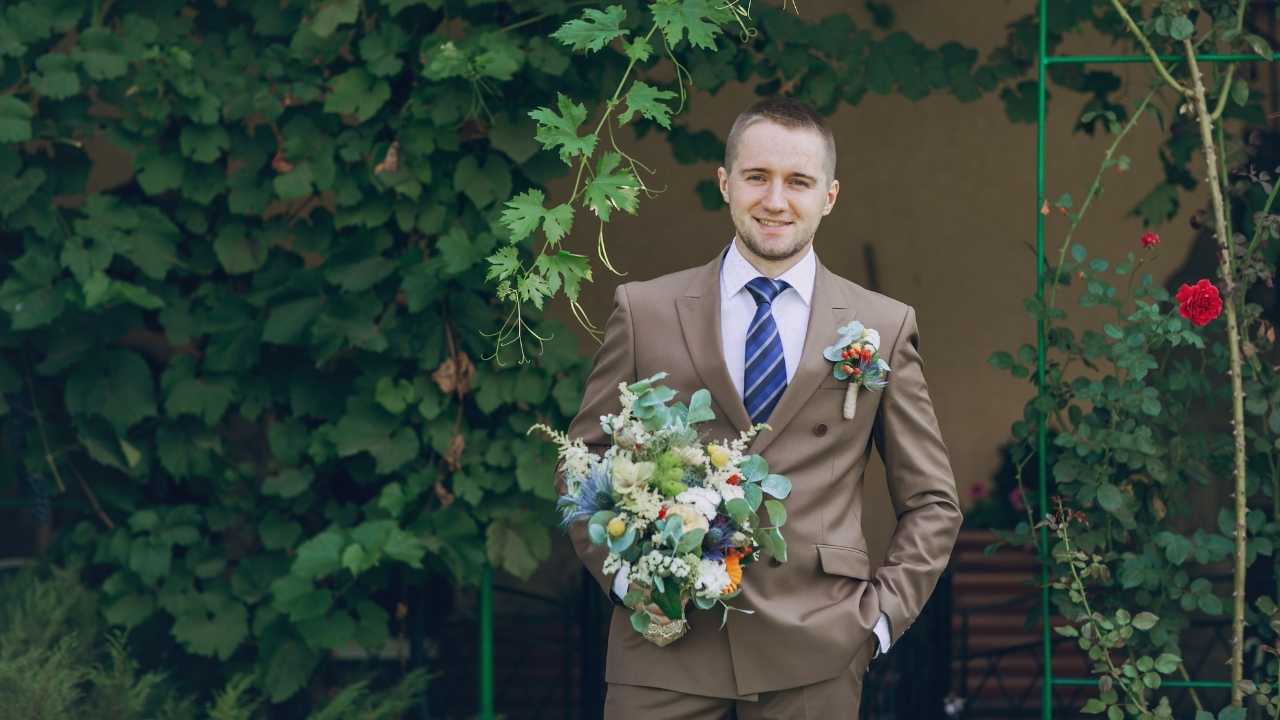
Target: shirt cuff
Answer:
pixel 883 637
pixel 621 582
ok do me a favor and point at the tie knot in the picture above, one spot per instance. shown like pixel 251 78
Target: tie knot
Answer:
pixel 765 290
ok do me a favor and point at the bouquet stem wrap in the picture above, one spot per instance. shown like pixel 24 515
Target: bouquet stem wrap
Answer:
pixel 850 400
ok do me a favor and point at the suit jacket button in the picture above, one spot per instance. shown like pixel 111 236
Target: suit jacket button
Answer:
pixel 820 429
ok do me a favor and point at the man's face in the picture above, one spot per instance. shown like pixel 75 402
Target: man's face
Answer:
pixel 778 189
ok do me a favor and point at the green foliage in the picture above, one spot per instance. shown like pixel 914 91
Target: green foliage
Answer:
pixel 257 352
pixel 58 662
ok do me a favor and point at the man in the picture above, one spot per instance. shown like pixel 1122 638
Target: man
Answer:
pixel 750 326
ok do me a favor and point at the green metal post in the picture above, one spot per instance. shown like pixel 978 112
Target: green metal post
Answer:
pixel 1207 684
pixel 486 644
pixel 1046 688
pixel 1132 59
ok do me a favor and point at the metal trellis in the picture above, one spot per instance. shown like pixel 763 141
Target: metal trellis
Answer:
pixel 1044 60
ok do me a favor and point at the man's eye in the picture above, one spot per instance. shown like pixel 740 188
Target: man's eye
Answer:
pixel 800 183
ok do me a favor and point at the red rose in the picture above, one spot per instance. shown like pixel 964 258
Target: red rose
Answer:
pixel 1199 303
pixel 1150 239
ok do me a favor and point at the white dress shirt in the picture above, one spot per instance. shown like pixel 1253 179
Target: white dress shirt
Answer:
pixel 791 314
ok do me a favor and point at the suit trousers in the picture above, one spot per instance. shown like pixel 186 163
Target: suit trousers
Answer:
pixel 837 698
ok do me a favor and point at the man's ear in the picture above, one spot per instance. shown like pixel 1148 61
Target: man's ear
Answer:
pixel 722 176
pixel 832 193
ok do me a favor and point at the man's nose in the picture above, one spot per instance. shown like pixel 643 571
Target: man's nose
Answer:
pixel 774 198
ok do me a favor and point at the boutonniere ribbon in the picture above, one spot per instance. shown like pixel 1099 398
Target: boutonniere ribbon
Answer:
pixel 856 355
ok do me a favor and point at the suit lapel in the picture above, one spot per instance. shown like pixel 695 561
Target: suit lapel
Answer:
pixel 827 311
pixel 699 312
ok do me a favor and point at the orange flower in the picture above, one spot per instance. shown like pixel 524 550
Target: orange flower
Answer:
pixel 734 568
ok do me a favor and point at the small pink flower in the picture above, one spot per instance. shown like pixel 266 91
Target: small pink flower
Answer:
pixel 979 491
pixel 1149 239
pixel 1015 499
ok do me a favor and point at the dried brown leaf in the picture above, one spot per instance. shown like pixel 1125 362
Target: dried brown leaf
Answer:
pixel 454 375
pixel 1158 508
pixel 445 497
pixel 453 456
pixel 391 162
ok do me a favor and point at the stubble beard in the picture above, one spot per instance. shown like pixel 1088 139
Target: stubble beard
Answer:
pixel 759 250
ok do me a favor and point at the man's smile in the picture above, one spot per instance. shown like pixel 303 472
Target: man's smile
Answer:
pixel 772 223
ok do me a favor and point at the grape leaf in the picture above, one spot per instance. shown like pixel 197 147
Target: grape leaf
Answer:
pixel 503 264
pixel 215 627
pixel 700 19
pixel 332 14
pixel 523 214
pixel 609 189
pixel 557 222
pixel 564 269
pixel 647 100
pixel 15 120
pixel 594 30
pixel 358 93
pixel 56 77
pixel 561 130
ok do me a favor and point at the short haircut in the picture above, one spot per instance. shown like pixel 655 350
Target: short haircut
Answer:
pixel 789 113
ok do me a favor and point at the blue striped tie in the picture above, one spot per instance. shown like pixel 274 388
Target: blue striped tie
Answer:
pixel 766 369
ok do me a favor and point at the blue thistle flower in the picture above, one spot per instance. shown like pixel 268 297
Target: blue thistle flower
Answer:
pixel 719 538
pixel 593 494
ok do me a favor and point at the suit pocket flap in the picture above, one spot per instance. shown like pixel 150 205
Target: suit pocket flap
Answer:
pixel 846 561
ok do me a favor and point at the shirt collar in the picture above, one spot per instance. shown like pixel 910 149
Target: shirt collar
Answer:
pixel 736 271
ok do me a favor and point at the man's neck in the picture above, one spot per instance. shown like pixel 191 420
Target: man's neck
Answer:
pixel 770 268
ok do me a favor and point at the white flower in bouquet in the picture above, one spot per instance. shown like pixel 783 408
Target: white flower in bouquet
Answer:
pixel 577 459
pixel 655 564
pixel 713 578
pixel 629 475
pixel 613 562
pixel 691 455
pixel 690 517
pixel 630 436
pixel 706 500
pixel 729 491
pixel 644 504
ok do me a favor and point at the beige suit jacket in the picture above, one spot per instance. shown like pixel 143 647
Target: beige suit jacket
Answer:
pixel 813 613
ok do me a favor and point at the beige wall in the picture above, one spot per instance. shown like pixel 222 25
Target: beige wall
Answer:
pixel 941 195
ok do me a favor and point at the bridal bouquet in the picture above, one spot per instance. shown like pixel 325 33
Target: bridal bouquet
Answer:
pixel 680 516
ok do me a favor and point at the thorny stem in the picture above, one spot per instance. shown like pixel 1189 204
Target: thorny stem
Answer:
pixel 1096 187
pixel 1237 386
pixel 1136 697
pixel 1195 697
pixel 1146 45
pixel 1231 69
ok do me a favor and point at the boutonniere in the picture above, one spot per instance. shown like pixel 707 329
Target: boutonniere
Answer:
pixel 857 361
